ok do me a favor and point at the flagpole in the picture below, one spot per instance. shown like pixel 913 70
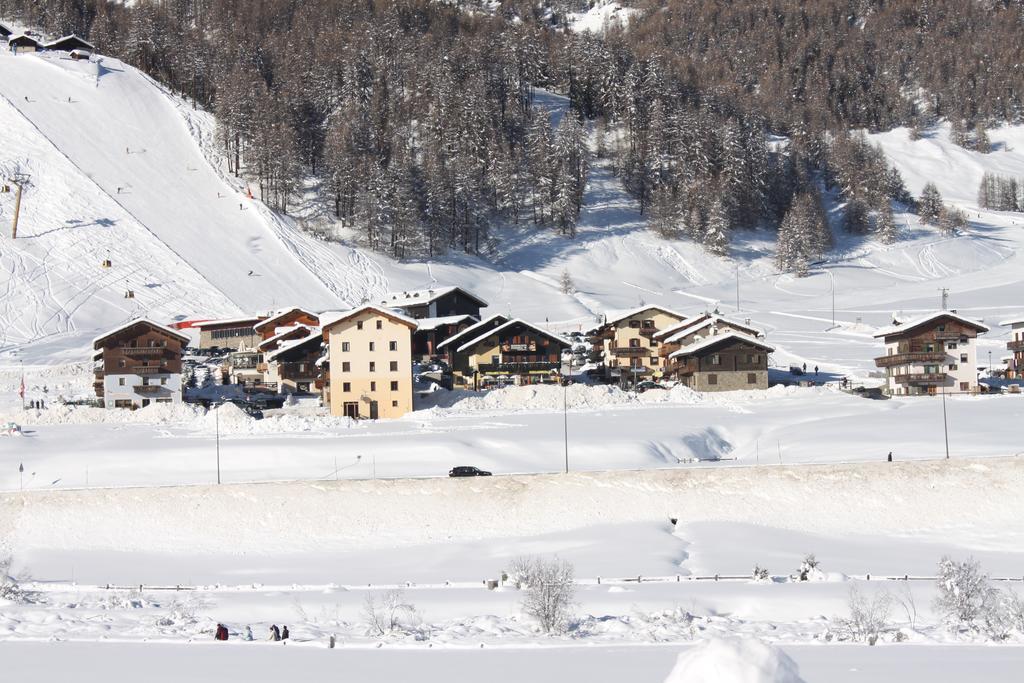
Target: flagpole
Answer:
pixel 22 384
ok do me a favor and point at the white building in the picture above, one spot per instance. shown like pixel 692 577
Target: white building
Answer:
pixel 138 363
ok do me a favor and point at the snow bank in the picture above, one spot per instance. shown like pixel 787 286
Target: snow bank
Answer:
pixel 58 414
pixel 739 660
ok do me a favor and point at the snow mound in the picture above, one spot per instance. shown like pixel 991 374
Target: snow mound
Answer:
pixel 59 414
pixel 550 397
pixel 734 660
pixel 234 421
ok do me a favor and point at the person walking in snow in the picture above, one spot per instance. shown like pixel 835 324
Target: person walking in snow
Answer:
pixel 284 633
pixel 275 633
pixel 248 633
pixel 890 456
pixel 815 369
pixel 222 632
pixel 805 367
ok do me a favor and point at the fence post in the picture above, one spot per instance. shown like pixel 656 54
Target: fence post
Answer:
pixel 599 581
pixel 868 577
pixel 716 577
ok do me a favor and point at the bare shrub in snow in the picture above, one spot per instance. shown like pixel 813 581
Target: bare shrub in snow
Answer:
pixel 180 614
pixel 550 588
pixel 760 573
pixel 907 602
pixel 869 617
pixel 387 613
pixel 10 588
pixel 565 283
pixel 997 619
pixel 964 594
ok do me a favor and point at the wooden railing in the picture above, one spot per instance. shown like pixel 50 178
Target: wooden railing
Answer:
pixel 909 357
pixel 1017 345
pixel 922 378
pixel 633 351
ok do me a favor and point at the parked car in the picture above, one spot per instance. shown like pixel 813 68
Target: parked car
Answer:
pixel 647 385
pixel 467 471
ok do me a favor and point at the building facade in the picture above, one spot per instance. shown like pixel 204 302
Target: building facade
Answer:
pixel 139 363
pixel 936 353
pixel 237 334
pixel 699 328
pixel 728 361
pixel 293 367
pixel 273 324
pixel 439 302
pixel 628 345
pixel 514 352
pixel 1015 363
pixel 368 365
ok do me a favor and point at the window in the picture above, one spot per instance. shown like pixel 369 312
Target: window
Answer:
pixel 373 346
pixel 942 328
pixel 394 386
pixel 712 380
pixel 359 325
pixel 654 360
pixel 634 343
pixel 120 363
pixel 648 324
pixel 963 357
pixel 373 386
pixel 495 360
pixel 952 366
pixel 145 381
pixel 394 404
pixel 951 346
pixel 373 366
pixel 380 324
pixel 392 346
pixel 346 366
pixel 635 324
pixel 393 366
pixel 120 381
pixel 163 381
pixel 965 386
pixel 716 359
pixel 751 378
pixel 344 346
pixel 346 387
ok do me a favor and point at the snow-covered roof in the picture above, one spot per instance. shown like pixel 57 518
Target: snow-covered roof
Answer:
pixel 140 321
pixel 333 317
pixel 473 328
pixel 716 339
pixel 925 319
pixel 619 316
pixel 434 323
pixel 414 297
pixel 510 323
pixel 314 335
pixel 282 332
pixel 687 330
pixel 1019 320
pixel 69 37
pixel 227 321
pixel 19 36
pixel 280 313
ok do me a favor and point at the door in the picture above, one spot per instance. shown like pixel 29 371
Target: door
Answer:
pixel 145 402
pixel 351 409
pixel 373 410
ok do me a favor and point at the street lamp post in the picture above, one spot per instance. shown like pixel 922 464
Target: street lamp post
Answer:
pixel 565 412
pixel 945 424
pixel 216 413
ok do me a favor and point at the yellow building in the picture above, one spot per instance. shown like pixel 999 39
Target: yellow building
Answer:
pixel 368 366
pixel 627 342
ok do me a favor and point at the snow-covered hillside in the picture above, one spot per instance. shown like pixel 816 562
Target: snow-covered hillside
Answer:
pixel 123 170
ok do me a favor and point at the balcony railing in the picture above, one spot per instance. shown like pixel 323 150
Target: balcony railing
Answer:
pixel 148 388
pixel 519 368
pixel 909 358
pixel 148 351
pixel 1015 345
pixel 948 335
pixel 680 368
pixel 922 378
pixel 633 351
pixel 294 370
pixel 150 370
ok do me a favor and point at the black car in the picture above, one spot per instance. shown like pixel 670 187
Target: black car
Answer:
pixel 467 471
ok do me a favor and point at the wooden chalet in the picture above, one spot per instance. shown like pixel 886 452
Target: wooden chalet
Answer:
pixel 935 353
pixel 5 31
pixel 69 43
pixel 696 329
pixel 285 317
pixel 439 302
pixel 430 332
pixel 724 362
pixel 139 363
pixel 293 365
pixel 514 352
pixel 628 343
pixel 232 333
pixel 1015 363
pixel 22 43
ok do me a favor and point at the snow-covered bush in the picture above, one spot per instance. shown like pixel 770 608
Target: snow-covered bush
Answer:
pixel 388 613
pixel 760 573
pixel 809 569
pixel 964 595
pixel 550 588
pixel 869 617
pixel 10 589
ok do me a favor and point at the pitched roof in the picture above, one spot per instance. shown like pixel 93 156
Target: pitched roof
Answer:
pixel 139 321
pixel 314 335
pixel 434 323
pixel 227 321
pixel 711 320
pixel 1019 320
pixel 22 37
pixel 619 316
pixel 514 321
pixel 280 313
pixel 473 328
pixel 330 319
pixel 50 44
pixel 914 323
pixel 415 297
pixel 716 339
pixel 282 332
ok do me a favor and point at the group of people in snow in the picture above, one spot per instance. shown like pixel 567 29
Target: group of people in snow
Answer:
pixel 276 634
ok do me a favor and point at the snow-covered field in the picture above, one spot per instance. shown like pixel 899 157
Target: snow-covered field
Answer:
pixel 122 170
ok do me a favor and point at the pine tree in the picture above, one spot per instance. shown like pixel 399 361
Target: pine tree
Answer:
pixel 716 234
pixel 565 282
pixel 951 220
pixel 929 207
pixel 885 224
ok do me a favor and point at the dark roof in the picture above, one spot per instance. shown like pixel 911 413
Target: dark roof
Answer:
pixel 69 43
pixel 419 297
pixel 21 39
pixel 97 343
pixel 930 319
pixel 5 30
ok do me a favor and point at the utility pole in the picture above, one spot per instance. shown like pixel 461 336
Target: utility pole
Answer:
pixel 217 422
pixel 945 297
pixel 945 424
pixel 737 286
pixel 565 412
pixel 20 180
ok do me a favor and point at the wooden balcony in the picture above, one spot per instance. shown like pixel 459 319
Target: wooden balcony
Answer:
pixel 295 370
pixel 147 389
pixel 143 351
pixel 1016 346
pixel 150 370
pixel 922 378
pixel 676 368
pixel 519 368
pixel 910 358
pixel 948 335
pixel 633 351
